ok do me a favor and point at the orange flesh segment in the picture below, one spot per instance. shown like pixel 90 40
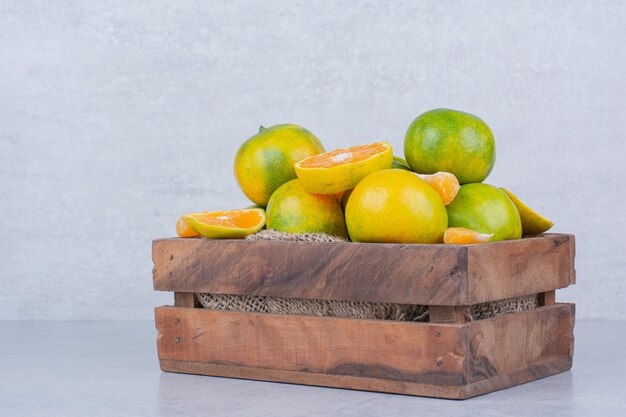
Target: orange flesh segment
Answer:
pixel 184 230
pixel 463 236
pixel 343 156
pixel 445 183
pixel 239 219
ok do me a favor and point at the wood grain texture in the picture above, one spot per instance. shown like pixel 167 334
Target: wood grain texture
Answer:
pixel 515 342
pixel 401 351
pixel 333 271
pixel 447 361
pixel 572 258
pixel 308 378
pixel 445 275
pixel 513 268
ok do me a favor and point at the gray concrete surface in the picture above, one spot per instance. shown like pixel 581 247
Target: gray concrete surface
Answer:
pixel 116 117
pixel 108 369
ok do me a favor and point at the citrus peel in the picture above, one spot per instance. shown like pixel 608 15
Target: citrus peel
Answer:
pixel 532 222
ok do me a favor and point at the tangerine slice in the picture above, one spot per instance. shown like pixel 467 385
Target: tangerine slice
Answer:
pixel 230 224
pixel 463 236
pixel 445 183
pixel 341 169
pixel 183 229
pixel 532 222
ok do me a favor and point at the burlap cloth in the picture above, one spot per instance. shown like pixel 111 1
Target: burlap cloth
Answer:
pixel 349 309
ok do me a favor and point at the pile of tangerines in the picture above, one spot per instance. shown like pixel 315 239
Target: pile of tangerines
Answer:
pixel 367 194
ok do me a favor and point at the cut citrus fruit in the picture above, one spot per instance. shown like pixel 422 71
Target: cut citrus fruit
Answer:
pixel 445 183
pixel 341 169
pixel 230 224
pixel 532 222
pixel 463 236
pixel 184 230
pixel 400 163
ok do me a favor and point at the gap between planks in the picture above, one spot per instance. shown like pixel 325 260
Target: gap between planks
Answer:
pixel 437 314
pixel 186 299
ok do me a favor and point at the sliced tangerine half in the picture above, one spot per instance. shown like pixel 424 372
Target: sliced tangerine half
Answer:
pixel 532 222
pixel 230 224
pixel 184 230
pixel 341 169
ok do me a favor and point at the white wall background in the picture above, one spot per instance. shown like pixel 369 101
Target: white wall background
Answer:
pixel 116 117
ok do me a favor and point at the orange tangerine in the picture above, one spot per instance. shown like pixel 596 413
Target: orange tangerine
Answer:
pixel 463 236
pixel 450 141
pixel 445 183
pixel 485 209
pixel 229 224
pixel 265 161
pixel 395 206
pixel 341 169
pixel 292 209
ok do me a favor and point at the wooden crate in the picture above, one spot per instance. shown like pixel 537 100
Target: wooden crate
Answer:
pixel 447 357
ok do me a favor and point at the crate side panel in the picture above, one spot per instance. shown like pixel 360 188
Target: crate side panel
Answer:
pixel 519 347
pixel 514 268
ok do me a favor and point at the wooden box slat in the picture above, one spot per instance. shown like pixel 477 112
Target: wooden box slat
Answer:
pixel 446 275
pixel 441 360
pixel 520 267
pixel 329 345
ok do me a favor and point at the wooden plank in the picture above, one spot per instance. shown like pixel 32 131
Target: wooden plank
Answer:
pixel 473 389
pixel 335 271
pixel 446 361
pixel 527 266
pixel 309 378
pixel 186 299
pixel 572 256
pixel 447 314
pixel 399 351
pixel 445 275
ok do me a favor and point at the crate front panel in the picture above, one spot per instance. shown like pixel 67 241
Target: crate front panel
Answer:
pixel 448 275
pixel 366 348
pixel 441 360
